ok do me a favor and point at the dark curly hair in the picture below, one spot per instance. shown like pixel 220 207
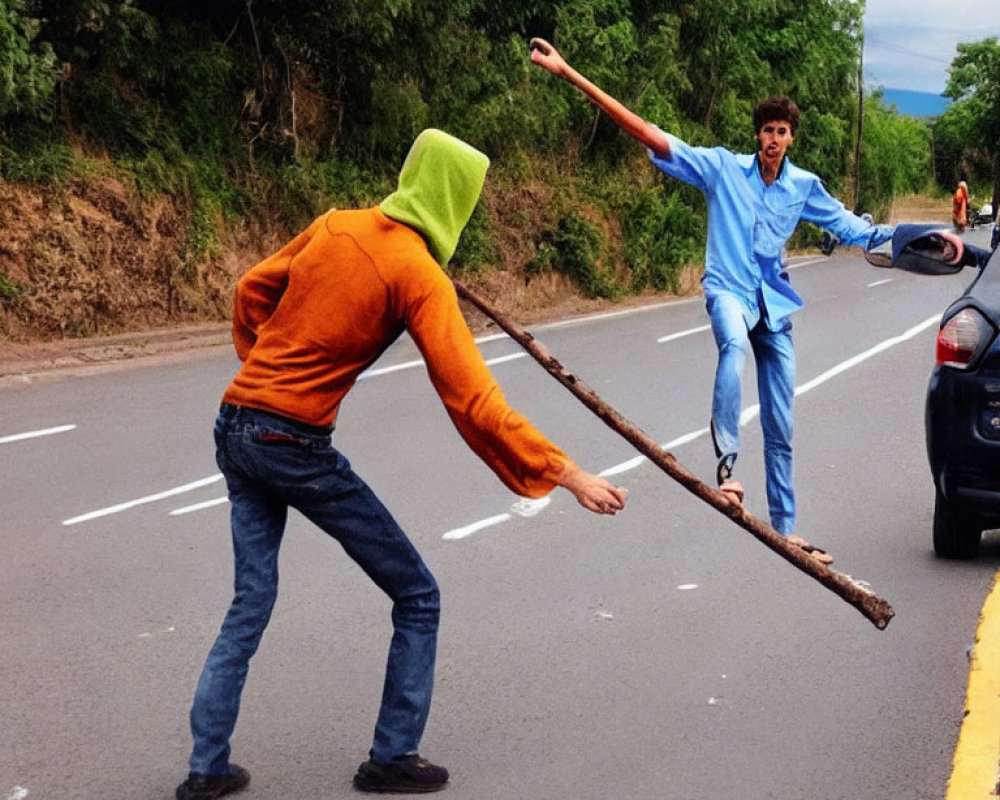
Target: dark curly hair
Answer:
pixel 774 109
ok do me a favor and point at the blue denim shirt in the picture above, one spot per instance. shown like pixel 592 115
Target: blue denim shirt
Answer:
pixel 749 223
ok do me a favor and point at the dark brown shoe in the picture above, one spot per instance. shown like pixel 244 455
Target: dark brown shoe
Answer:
pixel 211 787
pixel 415 774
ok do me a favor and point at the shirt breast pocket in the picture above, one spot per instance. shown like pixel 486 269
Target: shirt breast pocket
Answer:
pixel 774 226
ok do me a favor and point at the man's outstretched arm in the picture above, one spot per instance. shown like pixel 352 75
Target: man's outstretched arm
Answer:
pixel 545 55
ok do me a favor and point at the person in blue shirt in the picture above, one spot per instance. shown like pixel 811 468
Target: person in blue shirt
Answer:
pixel 755 201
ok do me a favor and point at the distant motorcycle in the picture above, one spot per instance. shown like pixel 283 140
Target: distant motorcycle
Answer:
pixel 983 217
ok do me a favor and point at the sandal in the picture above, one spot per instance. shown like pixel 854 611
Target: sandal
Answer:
pixel 817 553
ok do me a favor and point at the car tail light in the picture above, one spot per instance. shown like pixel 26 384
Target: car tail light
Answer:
pixel 963 339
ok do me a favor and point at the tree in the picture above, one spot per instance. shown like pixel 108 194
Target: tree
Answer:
pixel 27 68
pixel 896 155
pixel 974 84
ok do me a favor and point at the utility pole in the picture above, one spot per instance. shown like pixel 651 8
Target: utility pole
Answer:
pixel 861 113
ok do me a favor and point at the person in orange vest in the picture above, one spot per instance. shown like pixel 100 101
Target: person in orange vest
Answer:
pixel 960 207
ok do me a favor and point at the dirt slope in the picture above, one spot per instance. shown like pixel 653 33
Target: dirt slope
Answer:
pixel 90 274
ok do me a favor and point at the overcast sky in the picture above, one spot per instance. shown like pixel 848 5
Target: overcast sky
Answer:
pixel 910 44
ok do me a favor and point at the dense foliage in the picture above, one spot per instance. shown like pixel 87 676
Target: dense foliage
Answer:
pixel 259 108
pixel 896 156
pixel 27 71
pixel 968 134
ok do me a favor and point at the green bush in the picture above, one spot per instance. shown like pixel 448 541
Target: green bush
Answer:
pixel 308 188
pixel 280 111
pixel 662 232
pixel 27 67
pixel 542 260
pixel 895 158
pixel 576 252
pixel 399 113
pixel 476 249
pixel 10 290
pixel 29 160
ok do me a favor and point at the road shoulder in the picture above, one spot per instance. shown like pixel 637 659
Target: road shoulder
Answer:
pixel 975 768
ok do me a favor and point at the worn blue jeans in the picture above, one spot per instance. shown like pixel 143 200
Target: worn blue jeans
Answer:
pixel 738 330
pixel 270 464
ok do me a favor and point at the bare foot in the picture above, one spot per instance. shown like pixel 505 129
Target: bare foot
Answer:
pixel 816 553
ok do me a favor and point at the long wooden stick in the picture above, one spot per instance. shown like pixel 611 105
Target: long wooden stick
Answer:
pixel 877 610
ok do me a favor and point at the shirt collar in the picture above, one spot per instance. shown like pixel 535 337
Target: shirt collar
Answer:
pixel 781 167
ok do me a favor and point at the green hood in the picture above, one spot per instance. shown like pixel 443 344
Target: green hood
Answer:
pixel 439 187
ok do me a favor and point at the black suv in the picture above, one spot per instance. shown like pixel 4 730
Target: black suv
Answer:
pixel 963 414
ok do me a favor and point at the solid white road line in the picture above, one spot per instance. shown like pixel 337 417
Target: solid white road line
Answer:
pixel 796 265
pixel 747 414
pixel 808 260
pixel 103 512
pixel 860 357
pixel 460 533
pixel 218 501
pixel 374 373
pixel 468 530
pixel 672 336
pixel 17 437
pixel 504 359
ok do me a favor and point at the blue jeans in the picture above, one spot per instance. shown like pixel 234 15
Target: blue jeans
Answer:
pixel 737 330
pixel 271 463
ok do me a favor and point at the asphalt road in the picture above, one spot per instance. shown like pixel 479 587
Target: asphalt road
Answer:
pixel 663 653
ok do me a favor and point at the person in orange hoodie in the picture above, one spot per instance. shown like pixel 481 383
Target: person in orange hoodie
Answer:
pixel 307 322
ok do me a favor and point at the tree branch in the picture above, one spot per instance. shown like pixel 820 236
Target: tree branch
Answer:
pixel 877 610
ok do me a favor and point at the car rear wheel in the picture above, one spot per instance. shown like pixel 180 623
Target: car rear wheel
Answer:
pixel 956 535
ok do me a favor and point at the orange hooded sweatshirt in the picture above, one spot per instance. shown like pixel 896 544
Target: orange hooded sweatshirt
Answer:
pixel 312 317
